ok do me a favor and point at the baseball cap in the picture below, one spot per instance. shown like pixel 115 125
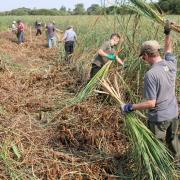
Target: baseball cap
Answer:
pixel 149 47
pixel 14 22
pixel 69 27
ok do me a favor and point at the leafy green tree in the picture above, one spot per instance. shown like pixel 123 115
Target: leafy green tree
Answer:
pixel 170 6
pixel 94 9
pixel 69 11
pixel 20 11
pixel 175 7
pixel 111 9
pixel 164 5
pixel 50 12
pixel 79 9
pixel 62 10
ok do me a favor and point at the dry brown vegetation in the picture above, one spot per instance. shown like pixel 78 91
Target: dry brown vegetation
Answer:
pixel 84 141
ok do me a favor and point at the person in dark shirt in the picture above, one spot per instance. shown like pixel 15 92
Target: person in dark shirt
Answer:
pixel 38 28
pixel 51 35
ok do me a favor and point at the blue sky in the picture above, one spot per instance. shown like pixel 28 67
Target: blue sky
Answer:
pixel 13 4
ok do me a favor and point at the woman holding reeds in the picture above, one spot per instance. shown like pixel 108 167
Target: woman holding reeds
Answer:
pixel 106 53
pixel 159 92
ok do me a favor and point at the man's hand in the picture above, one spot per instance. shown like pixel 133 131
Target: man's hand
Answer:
pixel 127 108
pixel 125 65
pixel 111 57
pixel 167 27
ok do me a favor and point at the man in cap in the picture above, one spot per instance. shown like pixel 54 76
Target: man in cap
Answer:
pixel 159 92
pixel 69 38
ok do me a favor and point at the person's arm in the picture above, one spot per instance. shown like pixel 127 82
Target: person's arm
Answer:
pixel 144 105
pixel 140 106
pixel 150 95
pixel 102 53
pixel 110 56
pixel 64 37
pixel 167 44
pixel 119 60
pixel 59 30
pixel 167 40
pixel 75 36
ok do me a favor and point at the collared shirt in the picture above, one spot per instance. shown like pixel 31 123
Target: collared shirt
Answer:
pixel 159 85
pixel 69 35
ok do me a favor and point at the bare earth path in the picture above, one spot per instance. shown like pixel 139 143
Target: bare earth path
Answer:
pixel 78 142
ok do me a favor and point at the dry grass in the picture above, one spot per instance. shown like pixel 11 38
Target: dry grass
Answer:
pixel 85 141
pixel 81 142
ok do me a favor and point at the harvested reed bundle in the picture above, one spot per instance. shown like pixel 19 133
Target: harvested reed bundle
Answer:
pixel 149 10
pixel 151 156
pixel 88 89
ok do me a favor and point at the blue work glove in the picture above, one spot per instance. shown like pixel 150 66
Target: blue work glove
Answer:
pixel 127 107
pixel 111 57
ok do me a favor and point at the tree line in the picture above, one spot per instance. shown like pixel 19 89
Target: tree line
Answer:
pixel 166 6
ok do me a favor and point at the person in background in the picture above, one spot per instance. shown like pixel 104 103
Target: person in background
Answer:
pixel 38 28
pixel 20 32
pixel 69 39
pixel 13 27
pixel 106 53
pixel 51 34
pixel 159 92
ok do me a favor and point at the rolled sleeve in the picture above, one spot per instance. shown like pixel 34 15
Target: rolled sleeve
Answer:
pixel 170 57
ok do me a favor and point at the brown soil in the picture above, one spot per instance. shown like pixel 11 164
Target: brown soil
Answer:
pixel 84 141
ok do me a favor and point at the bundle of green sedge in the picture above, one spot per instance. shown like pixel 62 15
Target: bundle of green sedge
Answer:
pixel 150 155
pixel 149 10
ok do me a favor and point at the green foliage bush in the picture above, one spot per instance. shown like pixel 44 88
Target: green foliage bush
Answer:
pixel 167 6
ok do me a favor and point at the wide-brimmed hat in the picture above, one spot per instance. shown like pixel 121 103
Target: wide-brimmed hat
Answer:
pixel 150 47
